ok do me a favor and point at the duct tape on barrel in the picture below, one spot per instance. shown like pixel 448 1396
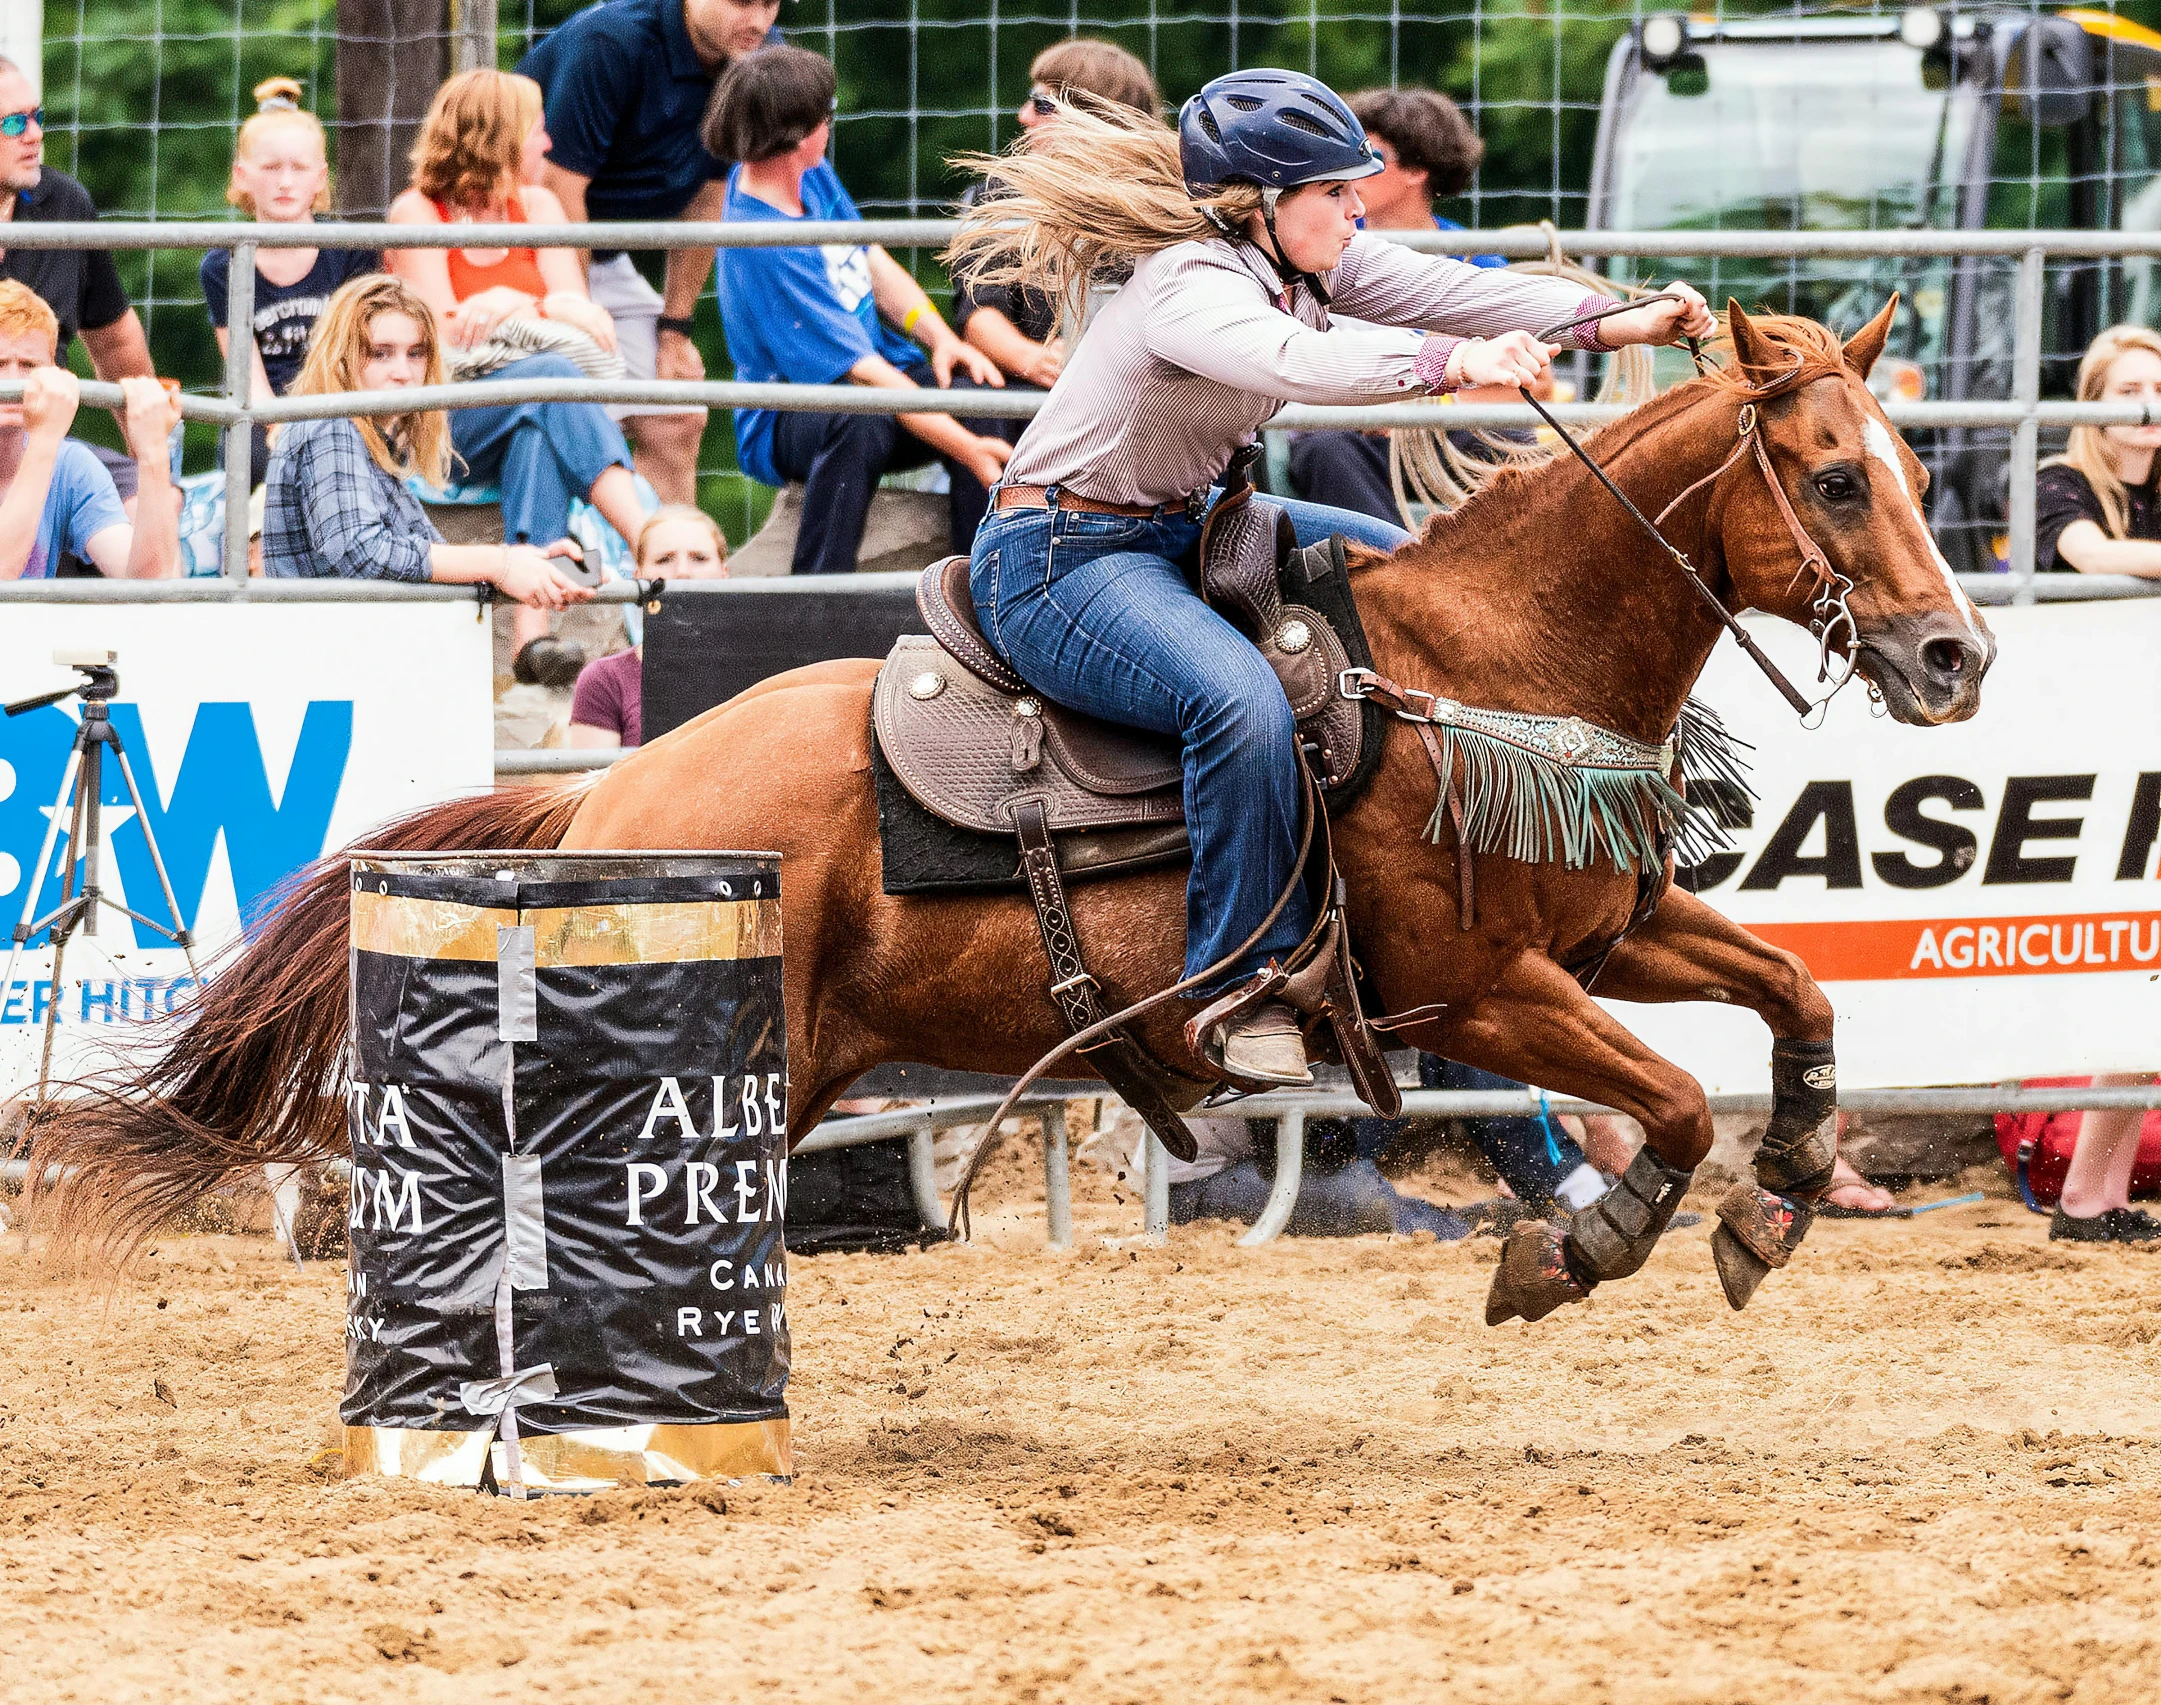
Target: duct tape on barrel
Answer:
pixel 568 1116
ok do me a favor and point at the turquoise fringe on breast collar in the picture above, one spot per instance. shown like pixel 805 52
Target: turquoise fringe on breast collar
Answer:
pixel 1558 789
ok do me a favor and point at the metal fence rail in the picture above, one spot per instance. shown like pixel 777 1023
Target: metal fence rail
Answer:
pixel 235 412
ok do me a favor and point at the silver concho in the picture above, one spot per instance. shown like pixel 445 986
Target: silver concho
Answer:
pixel 1293 637
pixel 1027 707
pixel 1572 737
pixel 927 685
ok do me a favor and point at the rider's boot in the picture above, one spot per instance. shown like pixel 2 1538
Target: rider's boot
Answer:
pixel 1543 1267
pixel 1253 1036
pixel 1268 1046
pixel 1762 1224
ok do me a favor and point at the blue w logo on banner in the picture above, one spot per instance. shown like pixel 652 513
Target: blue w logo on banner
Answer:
pixel 222 788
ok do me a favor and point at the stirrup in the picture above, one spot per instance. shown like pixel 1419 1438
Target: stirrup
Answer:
pixel 1207 1030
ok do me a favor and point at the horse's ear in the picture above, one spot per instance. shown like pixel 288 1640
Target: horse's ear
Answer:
pixel 1866 344
pixel 1748 347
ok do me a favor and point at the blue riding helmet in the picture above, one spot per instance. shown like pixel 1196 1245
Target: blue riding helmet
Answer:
pixel 1277 129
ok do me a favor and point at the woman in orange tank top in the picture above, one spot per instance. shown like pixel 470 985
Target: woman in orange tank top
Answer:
pixel 475 163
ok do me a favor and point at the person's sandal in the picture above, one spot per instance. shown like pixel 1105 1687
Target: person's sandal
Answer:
pixel 2071 1228
pixel 2132 1225
pixel 549 662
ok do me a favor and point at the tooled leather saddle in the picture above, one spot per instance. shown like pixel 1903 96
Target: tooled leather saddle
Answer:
pixel 984 784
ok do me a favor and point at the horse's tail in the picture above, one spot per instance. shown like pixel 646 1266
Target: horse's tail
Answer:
pixel 253 1072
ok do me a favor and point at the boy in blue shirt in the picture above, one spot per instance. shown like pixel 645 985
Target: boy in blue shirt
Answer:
pixel 55 496
pixel 812 316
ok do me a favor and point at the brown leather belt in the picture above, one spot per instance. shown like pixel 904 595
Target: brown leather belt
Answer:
pixel 1036 496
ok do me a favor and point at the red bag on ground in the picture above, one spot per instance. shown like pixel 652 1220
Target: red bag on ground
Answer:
pixel 2037 1147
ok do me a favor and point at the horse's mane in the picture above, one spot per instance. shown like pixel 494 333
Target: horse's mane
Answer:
pixel 1804 349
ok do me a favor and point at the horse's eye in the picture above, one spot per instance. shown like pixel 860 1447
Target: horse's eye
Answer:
pixel 1837 486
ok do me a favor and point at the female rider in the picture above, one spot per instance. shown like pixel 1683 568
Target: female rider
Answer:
pixel 1241 232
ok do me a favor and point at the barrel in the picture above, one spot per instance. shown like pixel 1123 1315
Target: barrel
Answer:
pixel 568 1112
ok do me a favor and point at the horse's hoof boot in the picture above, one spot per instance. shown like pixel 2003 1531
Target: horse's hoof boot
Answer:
pixel 1268 1047
pixel 1533 1278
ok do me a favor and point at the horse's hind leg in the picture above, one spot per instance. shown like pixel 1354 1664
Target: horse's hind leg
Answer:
pixel 1687 951
pixel 1537 1025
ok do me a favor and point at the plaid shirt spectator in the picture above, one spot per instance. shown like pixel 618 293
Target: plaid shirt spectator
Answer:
pixel 331 513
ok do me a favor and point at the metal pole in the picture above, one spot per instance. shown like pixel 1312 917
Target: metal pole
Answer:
pixel 1290 1161
pixel 239 371
pixel 1156 1192
pixel 923 1177
pixel 1057 1179
pixel 2026 436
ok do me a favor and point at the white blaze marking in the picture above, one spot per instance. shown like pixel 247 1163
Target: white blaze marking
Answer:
pixel 1877 437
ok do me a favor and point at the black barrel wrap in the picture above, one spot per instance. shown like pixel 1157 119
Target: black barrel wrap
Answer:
pixel 611 1026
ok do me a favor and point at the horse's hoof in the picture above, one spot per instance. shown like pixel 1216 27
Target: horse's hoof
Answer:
pixel 1740 1268
pixel 1533 1278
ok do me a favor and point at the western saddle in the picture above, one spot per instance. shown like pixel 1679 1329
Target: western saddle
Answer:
pixel 975 747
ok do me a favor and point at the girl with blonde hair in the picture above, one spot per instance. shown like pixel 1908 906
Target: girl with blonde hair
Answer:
pixel 2095 503
pixel 336 502
pixel 477 161
pixel 1241 230
pixel 280 176
pixel 679 542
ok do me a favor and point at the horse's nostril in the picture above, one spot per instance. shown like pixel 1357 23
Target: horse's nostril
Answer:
pixel 1944 658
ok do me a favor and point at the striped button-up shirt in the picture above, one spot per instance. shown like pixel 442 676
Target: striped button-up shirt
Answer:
pixel 1183 365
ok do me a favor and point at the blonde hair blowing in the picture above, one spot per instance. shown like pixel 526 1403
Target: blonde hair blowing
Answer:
pixel 416 443
pixel 277 104
pixel 1085 195
pixel 467 151
pixel 2089 451
pixel 23 310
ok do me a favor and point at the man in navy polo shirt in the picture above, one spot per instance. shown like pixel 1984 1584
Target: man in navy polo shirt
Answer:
pixel 626 85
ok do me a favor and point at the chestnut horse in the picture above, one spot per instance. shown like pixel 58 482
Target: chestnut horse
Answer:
pixel 1537 595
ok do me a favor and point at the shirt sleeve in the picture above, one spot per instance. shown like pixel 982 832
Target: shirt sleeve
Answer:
pixel 2061 496
pixel 348 521
pixel 1212 318
pixel 104 300
pixel 598 700
pixel 594 84
pixel 1395 286
pixel 83 498
pixel 215 273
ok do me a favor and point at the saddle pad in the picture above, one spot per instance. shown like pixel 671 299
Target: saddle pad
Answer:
pixel 968 752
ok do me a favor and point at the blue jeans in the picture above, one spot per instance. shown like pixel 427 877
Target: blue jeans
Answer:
pixel 541 454
pixel 1096 612
pixel 840 458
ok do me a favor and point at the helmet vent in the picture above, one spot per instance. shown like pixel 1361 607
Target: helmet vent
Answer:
pixel 1207 122
pixel 1311 126
pixel 1245 103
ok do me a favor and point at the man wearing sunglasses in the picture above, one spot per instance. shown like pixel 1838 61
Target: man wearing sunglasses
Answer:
pixel 80 285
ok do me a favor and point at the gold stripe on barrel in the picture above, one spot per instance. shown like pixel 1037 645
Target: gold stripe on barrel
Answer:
pixel 426 929
pixel 417 1453
pixel 660 933
pixel 591 1459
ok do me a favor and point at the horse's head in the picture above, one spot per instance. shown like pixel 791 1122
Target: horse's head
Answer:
pixel 1854 489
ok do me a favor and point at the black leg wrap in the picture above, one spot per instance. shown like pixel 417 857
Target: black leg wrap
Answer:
pixel 1801 1144
pixel 1614 1236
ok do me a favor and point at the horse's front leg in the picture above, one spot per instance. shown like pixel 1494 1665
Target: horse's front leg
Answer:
pixel 1689 952
pixel 1535 1024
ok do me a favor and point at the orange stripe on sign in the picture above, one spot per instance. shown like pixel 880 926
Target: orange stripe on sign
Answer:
pixel 1971 947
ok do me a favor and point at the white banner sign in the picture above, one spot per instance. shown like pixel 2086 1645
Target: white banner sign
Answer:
pixel 1979 902
pixel 260 738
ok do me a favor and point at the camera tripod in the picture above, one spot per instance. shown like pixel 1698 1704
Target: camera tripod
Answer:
pixel 79 805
